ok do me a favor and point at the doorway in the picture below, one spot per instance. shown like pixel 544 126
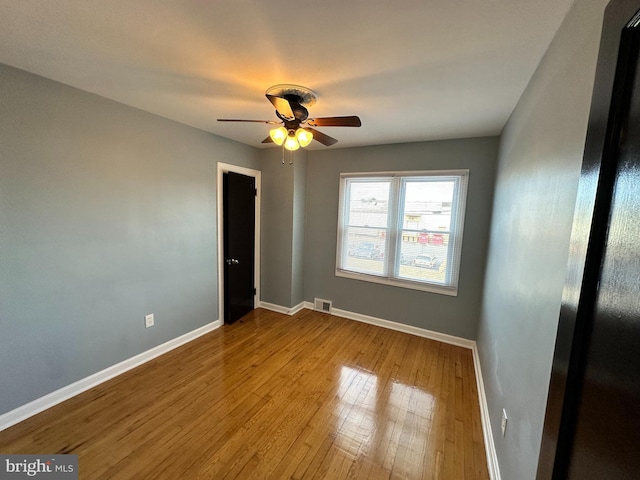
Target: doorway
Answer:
pixel 238 241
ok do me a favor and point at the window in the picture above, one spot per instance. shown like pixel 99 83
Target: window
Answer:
pixel 402 228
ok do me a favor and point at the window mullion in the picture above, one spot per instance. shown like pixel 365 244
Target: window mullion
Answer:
pixel 399 224
pixel 392 228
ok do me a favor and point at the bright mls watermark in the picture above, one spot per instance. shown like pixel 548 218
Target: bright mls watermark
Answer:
pixel 51 467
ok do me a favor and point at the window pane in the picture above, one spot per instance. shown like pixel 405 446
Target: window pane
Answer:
pixel 364 252
pixel 368 203
pixel 424 240
pixel 427 205
pixel 423 256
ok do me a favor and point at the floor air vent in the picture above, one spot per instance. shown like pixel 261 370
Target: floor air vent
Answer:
pixel 322 305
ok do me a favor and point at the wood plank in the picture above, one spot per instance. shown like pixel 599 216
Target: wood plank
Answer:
pixel 273 396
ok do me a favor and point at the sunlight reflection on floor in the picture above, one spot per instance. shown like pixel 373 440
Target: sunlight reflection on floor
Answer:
pixel 381 417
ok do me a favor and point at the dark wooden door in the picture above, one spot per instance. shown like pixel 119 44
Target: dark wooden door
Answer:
pixel 606 442
pixel 239 204
pixel 592 427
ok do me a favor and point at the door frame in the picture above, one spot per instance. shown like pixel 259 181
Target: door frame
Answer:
pixel 257 175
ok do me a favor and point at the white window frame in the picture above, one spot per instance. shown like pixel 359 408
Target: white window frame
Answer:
pixel 394 228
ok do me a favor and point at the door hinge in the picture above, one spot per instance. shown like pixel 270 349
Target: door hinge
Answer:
pixel 256 192
pixel 255 292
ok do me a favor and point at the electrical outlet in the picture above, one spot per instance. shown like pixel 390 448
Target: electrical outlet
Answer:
pixel 149 320
pixel 503 425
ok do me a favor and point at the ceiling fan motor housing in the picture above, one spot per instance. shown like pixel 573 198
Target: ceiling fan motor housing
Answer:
pixel 300 113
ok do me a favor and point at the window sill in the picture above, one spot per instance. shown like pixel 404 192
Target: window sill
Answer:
pixel 424 287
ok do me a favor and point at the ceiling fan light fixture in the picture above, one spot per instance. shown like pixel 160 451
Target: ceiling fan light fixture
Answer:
pixel 291 102
pixel 304 137
pixel 291 143
pixel 278 135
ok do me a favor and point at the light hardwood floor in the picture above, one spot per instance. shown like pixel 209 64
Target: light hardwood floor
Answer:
pixel 272 396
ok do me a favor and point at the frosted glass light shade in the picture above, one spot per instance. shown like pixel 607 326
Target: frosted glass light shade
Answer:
pixel 304 137
pixel 291 143
pixel 278 135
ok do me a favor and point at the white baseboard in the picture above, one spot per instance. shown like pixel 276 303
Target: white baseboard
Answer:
pixel 490 446
pixel 401 327
pixel 297 308
pixel 280 309
pixel 36 406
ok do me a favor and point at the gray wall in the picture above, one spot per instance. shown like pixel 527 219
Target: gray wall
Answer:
pixel 107 213
pixel 298 243
pixel 539 165
pixel 452 315
pixel 282 225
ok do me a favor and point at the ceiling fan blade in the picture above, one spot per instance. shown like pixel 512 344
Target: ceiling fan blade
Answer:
pixel 282 106
pixel 271 122
pixel 352 121
pixel 267 140
pixel 326 140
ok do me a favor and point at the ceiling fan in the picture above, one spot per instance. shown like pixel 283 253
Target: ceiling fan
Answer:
pixel 296 131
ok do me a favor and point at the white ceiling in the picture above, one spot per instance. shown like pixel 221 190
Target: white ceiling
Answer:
pixel 412 70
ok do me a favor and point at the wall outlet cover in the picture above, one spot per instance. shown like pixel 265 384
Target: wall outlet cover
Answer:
pixel 149 320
